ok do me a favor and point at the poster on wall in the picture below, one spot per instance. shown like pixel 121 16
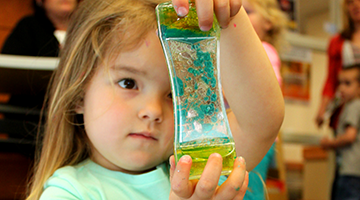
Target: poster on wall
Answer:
pixel 289 7
pixel 295 71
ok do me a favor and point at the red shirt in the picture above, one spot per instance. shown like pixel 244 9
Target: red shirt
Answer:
pixel 334 65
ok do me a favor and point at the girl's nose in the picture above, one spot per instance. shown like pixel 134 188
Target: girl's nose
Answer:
pixel 152 111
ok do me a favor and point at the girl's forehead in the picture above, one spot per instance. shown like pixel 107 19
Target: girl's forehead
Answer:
pixel 118 52
pixel 145 54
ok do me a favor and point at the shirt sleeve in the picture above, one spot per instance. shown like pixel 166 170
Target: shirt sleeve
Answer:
pixel 352 117
pixel 334 65
pixel 57 193
pixel 64 184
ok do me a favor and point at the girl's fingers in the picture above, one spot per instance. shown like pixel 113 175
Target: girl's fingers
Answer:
pixel 179 177
pixel 208 182
pixel 223 9
pixel 181 7
pixel 222 12
pixel 172 166
pixel 235 184
pixel 205 12
pixel 235 6
pixel 243 188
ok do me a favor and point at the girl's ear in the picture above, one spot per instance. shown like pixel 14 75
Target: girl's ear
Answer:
pixel 268 25
pixel 79 109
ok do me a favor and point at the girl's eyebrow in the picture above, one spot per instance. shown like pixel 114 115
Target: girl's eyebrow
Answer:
pixel 129 69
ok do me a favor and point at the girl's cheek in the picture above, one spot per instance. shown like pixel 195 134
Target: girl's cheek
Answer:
pixel 170 150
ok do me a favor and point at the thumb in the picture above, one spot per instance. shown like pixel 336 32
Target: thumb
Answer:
pixel 172 166
pixel 181 7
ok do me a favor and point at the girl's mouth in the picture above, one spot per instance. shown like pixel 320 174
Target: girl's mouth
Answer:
pixel 143 135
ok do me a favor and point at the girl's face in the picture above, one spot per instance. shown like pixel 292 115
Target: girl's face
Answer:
pixel 349 86
pixel 59 7
pixel 129 118
pixel 353 7
pixel 260 24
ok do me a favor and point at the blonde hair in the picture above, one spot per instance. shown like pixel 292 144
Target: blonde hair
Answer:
pixel 271 11
pixel 98 30
pixel 348 24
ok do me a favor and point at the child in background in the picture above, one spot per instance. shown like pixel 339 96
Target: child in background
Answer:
pixel 110 123
pixel 269 23
pixel 347 141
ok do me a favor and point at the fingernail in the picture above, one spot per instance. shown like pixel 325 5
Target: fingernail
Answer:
pixel 157 32
pixel 170 163
pixel 205 28
pixel 182 11
pixel 185 159
pixel 215 154
pixel 242 160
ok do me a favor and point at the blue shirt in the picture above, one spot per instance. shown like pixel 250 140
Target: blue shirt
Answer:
pixel 90 181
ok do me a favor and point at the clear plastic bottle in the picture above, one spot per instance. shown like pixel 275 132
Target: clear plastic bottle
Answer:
pixel 192 55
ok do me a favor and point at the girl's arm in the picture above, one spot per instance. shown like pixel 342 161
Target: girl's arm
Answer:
pixel 248 79
pixel 251 90
pixel 253 93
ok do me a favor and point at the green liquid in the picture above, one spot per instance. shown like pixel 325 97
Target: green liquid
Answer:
pixel 200 154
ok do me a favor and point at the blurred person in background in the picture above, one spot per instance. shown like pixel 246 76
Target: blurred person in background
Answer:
pixel 347 140
pixel 42 33
pixel 343 51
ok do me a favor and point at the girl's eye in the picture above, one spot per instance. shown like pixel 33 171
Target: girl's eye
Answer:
pixel 128 83
pixel 170 95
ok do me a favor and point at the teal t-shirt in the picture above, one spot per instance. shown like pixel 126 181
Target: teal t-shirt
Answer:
pixel 90 181
pixel 256 189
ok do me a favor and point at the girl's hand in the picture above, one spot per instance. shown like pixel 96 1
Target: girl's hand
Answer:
pixel 207 186
pixel 223 9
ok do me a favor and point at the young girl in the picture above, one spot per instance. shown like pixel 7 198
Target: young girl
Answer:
pixel 269 23
pixel 110 124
